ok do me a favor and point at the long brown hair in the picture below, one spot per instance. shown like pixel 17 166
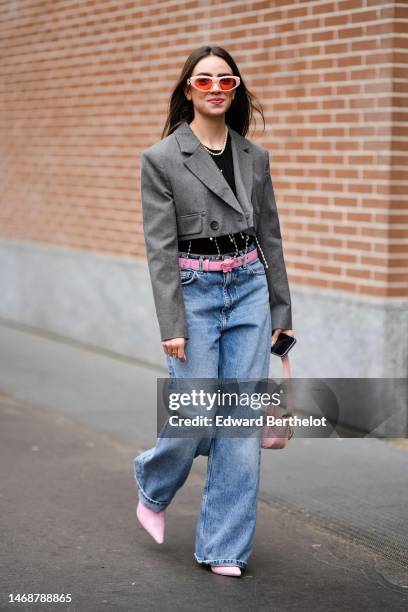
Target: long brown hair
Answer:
pixel 238 116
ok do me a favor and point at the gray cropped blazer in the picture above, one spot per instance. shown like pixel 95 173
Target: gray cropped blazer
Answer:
pixel 184 196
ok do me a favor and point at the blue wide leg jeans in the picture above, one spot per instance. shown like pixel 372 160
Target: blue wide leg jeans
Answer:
pixel 230 330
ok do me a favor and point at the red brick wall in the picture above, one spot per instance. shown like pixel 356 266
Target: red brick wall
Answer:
pixel 78 106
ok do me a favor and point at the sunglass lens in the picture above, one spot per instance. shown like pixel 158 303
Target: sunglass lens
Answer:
pixel 226 83
pixel 203 83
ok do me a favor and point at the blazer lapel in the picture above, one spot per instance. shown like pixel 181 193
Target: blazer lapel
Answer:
pixel 204 167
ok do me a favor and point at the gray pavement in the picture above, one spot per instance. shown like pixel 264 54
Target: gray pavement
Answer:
pixel 332 528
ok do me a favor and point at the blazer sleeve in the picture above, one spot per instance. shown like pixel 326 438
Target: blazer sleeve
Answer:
pixel 160 234
pixel 270 239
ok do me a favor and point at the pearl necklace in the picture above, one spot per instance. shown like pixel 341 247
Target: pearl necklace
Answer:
pixel 223 148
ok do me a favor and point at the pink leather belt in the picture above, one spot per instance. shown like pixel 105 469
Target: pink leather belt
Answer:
pixel 224 265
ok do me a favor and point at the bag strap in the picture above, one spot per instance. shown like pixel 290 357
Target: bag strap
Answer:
pixel 286 366
pixel 288 376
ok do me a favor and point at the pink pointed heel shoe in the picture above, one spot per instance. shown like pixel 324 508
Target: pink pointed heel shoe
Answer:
pixel 226 570
pixel 153 522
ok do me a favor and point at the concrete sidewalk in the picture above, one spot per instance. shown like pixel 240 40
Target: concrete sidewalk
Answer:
pixel 68 517
pixel 356 488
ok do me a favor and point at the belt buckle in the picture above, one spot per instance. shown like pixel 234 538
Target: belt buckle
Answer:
pixel 227 265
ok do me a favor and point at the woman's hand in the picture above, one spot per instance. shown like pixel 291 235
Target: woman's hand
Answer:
pixel 278 330
pixel 175 348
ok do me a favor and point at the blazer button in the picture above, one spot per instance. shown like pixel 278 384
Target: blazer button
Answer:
pixel 214 225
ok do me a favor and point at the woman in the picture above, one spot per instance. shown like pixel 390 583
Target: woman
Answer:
pixel 208 212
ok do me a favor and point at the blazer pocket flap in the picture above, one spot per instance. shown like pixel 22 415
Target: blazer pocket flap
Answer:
pixel 190 224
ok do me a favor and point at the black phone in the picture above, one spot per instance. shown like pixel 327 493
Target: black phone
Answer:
pixel 283 345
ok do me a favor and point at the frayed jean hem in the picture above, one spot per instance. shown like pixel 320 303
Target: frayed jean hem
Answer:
pixel 240 564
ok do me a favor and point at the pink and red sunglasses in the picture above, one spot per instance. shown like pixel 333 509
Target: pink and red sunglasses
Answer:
pixel 205 83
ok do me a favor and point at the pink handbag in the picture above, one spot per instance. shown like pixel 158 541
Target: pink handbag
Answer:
pixel 276 436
